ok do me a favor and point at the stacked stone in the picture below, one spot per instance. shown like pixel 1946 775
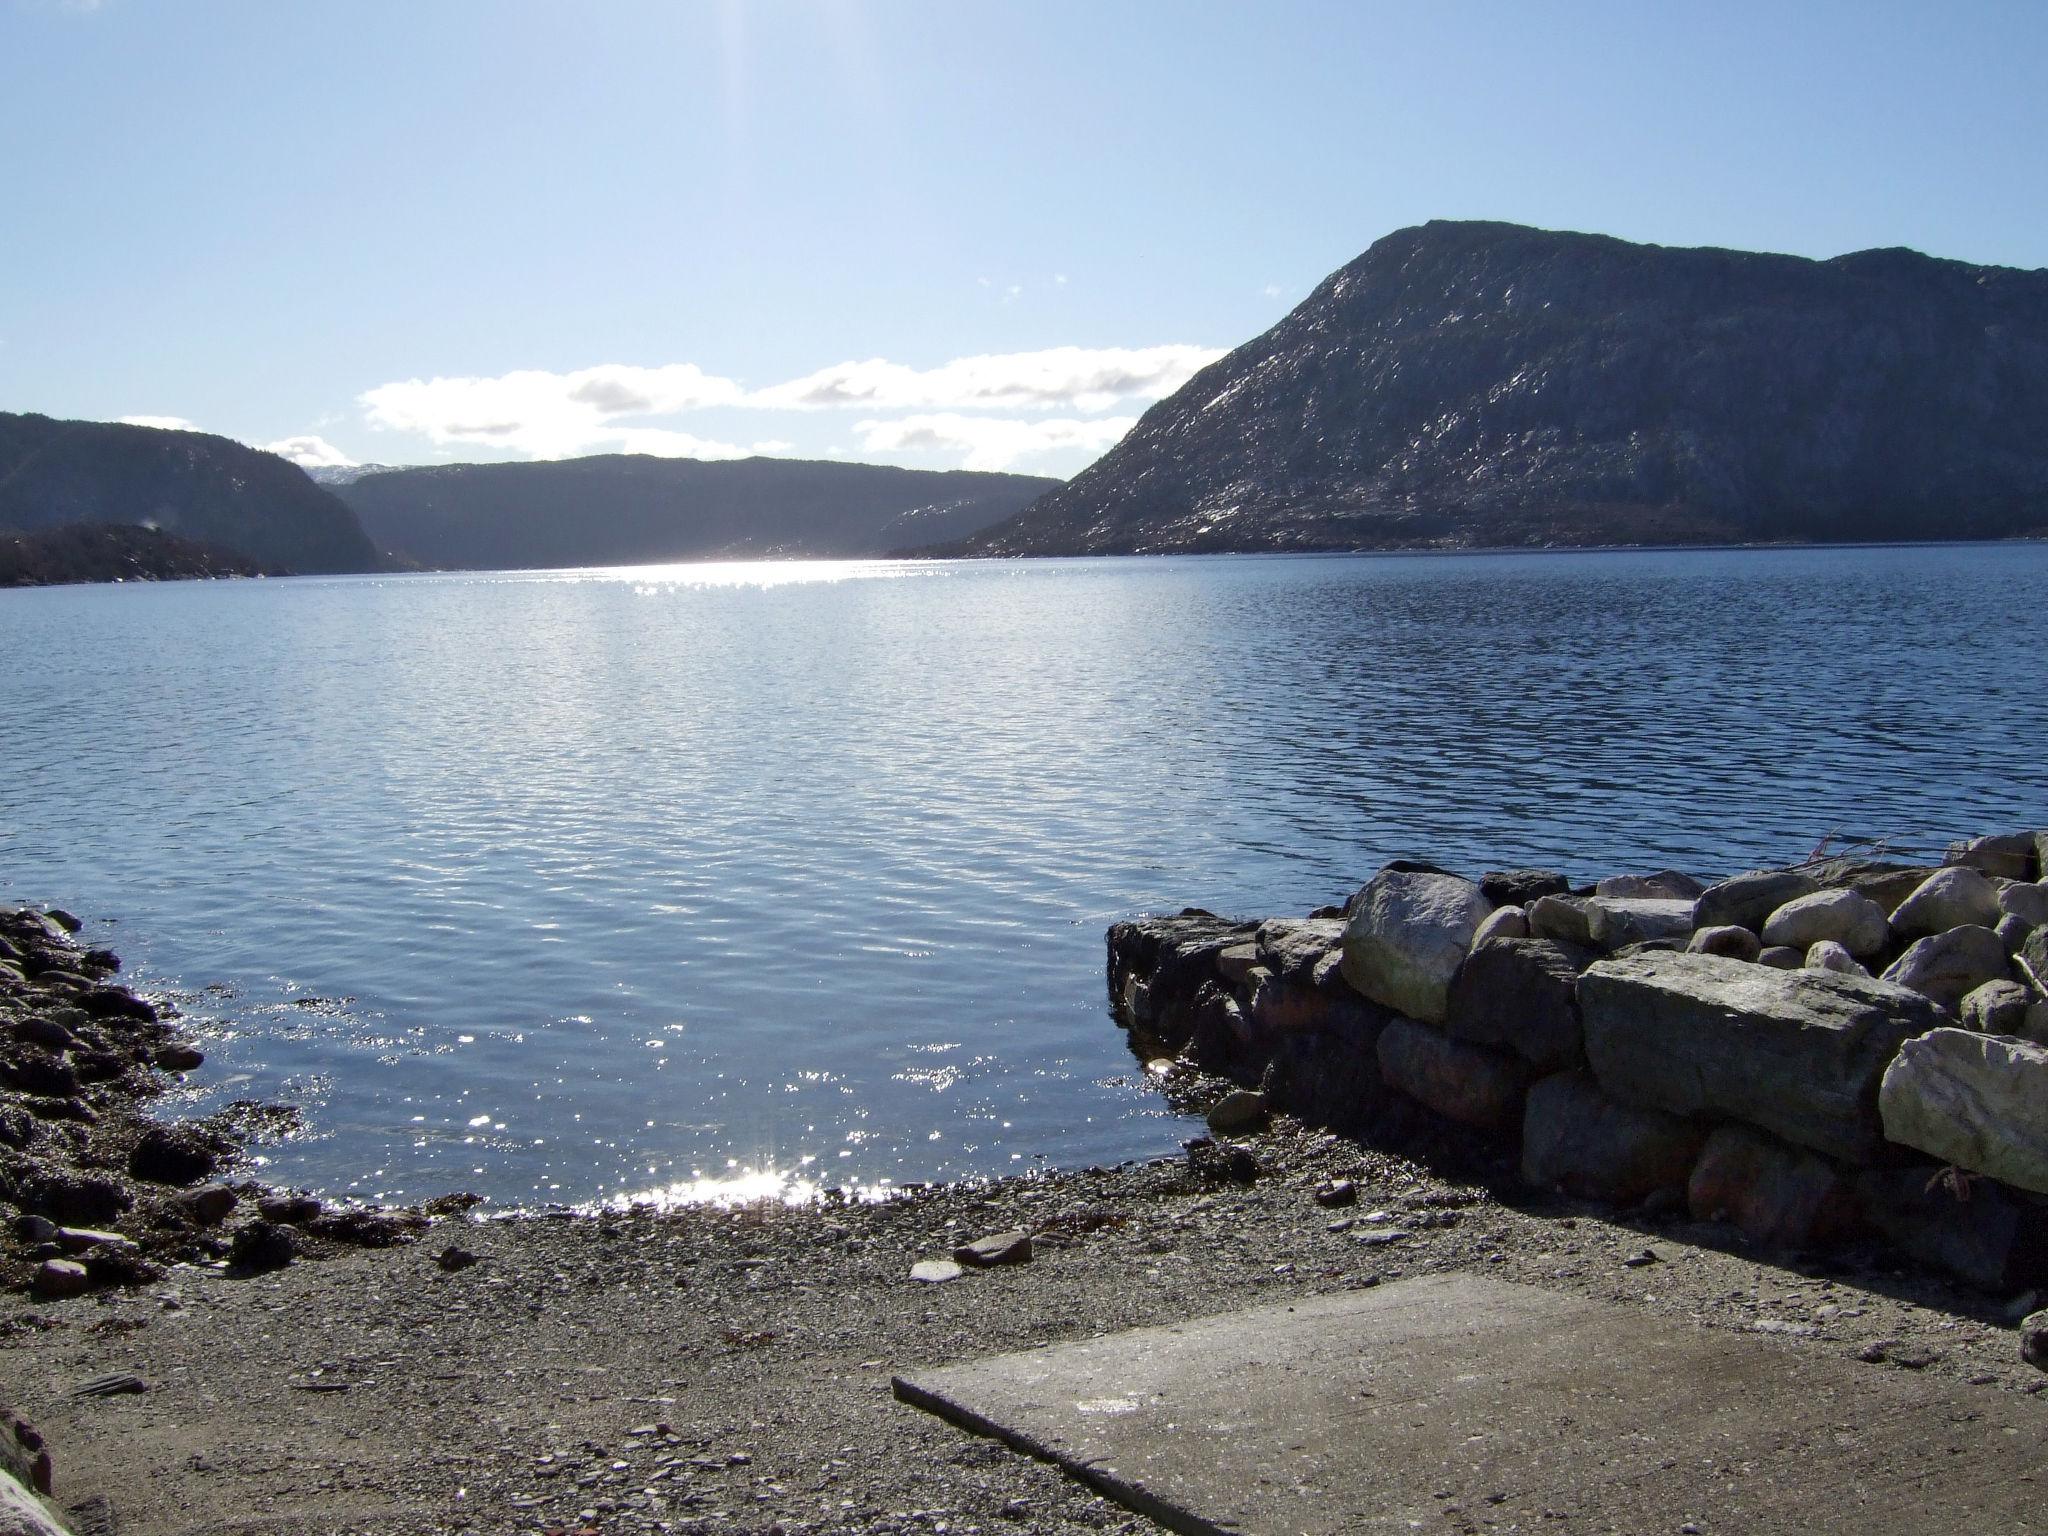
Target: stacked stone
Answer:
pixel 1815 1054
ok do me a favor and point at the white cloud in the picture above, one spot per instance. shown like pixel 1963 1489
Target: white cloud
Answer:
pixel 161 423
pixel 618 408
pixel 1272 290
pixel 309 452
pixel 991 442
pixel 1058 378
pixel 540 414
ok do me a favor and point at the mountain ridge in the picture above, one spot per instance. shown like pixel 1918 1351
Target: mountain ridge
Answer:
pixel 209 490
pixel 1467 384
pixel 539 514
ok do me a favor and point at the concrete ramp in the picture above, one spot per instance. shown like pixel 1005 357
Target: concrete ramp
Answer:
pixel 1458 1403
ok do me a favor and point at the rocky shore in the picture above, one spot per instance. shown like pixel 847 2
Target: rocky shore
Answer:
pixel 242 1359
pixel 1658 1044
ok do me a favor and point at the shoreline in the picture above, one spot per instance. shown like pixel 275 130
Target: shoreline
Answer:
pixel 718 1369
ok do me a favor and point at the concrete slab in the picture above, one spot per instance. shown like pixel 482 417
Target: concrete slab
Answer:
pixel 1463 1404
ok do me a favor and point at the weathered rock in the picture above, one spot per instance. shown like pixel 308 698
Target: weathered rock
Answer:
pixel 1772 1192
pixel 1976 1229
pixel 1221 1162
pixel 1948 966
pixel 2032 960
pixel 1948 898
pixel 1578 1140
pixel 2028 903
pixel 1502 923
pixel 2012 933
pixel 1727 940
pixel 1827 955
pixel 1996 1008
pixel 1407 932
pixel 1241 1109
pixel 1521 994
pixel 1978 1101
pixel 209 1206
pixel 1797 1052
pixel 1847 918
pixel 1521 887
pixel 1665 885
pixel 1471 1084
pixel 261 1245
pixel 1883 881
pixel 1561 919
pixel 173 1154
pixel 1615 921
pixel 1291 948
pixel 117 1003
pixel 85 1239
pixel 2005 855
pixel 61 1277
pixel 1157 965
pixel 935 1271
pixel 2034 1340
pixel 997 1248
pixel 1745 900
pixel 1234 962
pixel 1781 957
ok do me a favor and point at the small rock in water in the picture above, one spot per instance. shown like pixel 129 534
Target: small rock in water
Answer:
pixel 997 1248
pixel 935 1271
pixel 1239 1110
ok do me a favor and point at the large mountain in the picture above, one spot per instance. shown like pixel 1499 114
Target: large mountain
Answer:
pixel 207 489
pixel 628 509
pixel 1468 384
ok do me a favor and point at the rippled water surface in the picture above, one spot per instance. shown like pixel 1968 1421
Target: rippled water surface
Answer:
pixel 560 885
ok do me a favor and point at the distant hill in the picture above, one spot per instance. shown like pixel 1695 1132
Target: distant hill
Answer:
pixel 631 509
pixel 1468 384
pixel 111 552
pixel 204 488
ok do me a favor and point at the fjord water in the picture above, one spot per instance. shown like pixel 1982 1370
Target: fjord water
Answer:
pixel 566 885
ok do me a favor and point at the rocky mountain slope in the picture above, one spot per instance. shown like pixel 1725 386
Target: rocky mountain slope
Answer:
pixel 111 552
pixel 1472 384
pixel 207 489
pixel 622 509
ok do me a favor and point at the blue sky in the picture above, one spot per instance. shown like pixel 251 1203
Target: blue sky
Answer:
pixel 923 233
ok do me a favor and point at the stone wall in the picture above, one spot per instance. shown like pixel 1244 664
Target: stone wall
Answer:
pixel 1847 1049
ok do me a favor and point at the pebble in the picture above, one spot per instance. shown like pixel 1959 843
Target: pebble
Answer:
pixel 935 1271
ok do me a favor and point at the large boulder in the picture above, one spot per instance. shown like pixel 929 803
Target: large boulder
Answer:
pixel 1978 1101
pixel 1563 919
pixel 1614 921
pixel 2004 855
pixel 1883 881
pixel 1773 1193
pixel 1520 887
pixel 1408 931
pixel 1948 966
pixel 1470 1084
pixel 1578 1140
pixel 1976 1229
pixel 1997 1008
pixel 1522 994
pixel 1158 965
pixel 1745 900
pixel 1666 884
pixel 1736 943
pixel 1947 899
pixel 2028 903
pixel 1849 918
pixel 1797 1052
pixel 1290 947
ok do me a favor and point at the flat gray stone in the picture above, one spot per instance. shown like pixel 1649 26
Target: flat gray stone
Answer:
pixel 1407 1407
pixel 1799 1052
